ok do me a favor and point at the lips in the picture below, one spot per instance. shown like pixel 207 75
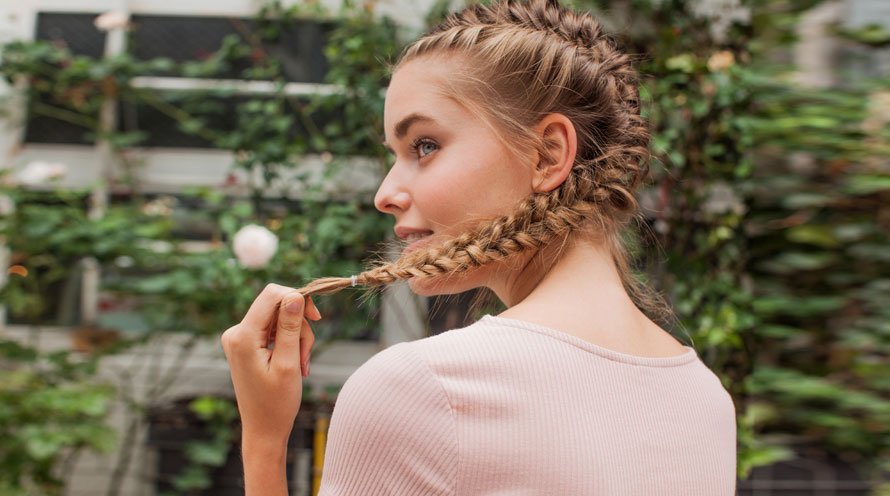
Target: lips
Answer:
pixel 404 231
pixel 415 236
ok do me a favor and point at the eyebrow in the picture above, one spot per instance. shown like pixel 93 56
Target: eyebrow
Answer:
pixel 406 123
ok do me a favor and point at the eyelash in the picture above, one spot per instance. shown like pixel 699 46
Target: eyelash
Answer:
pixel 415 145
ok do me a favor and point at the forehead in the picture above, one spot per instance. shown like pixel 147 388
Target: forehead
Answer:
pixel 417 87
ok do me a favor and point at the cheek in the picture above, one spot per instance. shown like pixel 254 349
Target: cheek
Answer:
pixel 446 188
pixel 457 189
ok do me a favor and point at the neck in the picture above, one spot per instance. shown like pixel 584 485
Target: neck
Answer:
pixel 570 281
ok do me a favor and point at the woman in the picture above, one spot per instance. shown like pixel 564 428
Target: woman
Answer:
pixel 518 147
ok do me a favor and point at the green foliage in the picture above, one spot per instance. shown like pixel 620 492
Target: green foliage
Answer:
pixel 217 415
pixel 818 232
pixel 818 243
pixel 50 407
pixel 872 34
pixel 50 233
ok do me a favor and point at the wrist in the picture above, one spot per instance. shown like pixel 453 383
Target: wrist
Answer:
pixel 263 442
pixel 265 465
pixel 268 455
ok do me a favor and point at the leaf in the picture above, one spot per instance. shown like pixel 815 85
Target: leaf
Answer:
pixel 207 453
pixel 800 306
pixel 15 351
pixel 796 201
pixel 208 408
pixel 683 63
pixel 193 477
pixel 813 234
pixel 864 184
pixel 790 262
pixel 873 34
pixel 41 444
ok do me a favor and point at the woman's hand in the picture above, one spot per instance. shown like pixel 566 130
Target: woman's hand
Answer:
pixel 267 380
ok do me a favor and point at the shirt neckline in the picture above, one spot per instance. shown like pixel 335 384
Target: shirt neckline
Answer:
pixel 669 361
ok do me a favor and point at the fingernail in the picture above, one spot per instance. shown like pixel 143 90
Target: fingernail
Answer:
pixel 295 306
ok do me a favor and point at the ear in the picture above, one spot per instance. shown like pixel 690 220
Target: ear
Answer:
pixel 561 142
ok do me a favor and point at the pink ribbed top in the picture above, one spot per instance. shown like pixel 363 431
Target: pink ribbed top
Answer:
pixel 508 407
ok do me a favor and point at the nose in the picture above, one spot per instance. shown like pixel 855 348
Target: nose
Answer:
pixel 391 197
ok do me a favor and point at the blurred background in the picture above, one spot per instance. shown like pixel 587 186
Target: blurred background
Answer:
pixel 160 162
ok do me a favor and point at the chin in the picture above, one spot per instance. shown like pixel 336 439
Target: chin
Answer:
pixel 425 287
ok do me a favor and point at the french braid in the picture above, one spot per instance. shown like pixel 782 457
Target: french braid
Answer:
pixel 563 62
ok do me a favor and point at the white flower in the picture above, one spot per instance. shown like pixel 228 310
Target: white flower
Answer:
pixel 111 20
pixel 39 172
pixel 254 246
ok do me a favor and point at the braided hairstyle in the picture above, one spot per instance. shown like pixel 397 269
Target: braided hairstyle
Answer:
pixel 522 61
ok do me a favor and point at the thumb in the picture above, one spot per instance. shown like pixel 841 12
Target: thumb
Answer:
pixel 290 326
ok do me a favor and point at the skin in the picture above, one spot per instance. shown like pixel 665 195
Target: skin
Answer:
pixel 461 172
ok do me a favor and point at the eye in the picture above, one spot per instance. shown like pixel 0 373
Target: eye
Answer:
pixel 424 146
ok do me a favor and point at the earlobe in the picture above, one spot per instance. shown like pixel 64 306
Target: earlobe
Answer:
pixel 561 142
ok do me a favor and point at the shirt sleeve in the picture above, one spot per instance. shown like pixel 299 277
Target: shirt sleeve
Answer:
pixel 392 431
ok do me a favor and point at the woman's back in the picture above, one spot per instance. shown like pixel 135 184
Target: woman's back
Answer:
pixel 504 406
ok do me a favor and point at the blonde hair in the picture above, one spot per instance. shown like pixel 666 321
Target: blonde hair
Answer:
pixel 522 61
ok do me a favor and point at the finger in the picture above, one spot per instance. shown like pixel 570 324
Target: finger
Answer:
pixel 307 339
pixel 263 310
pixel 273 321
pixel 316 315
pixel 273 326
pixel 287 333
pixel 305 330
